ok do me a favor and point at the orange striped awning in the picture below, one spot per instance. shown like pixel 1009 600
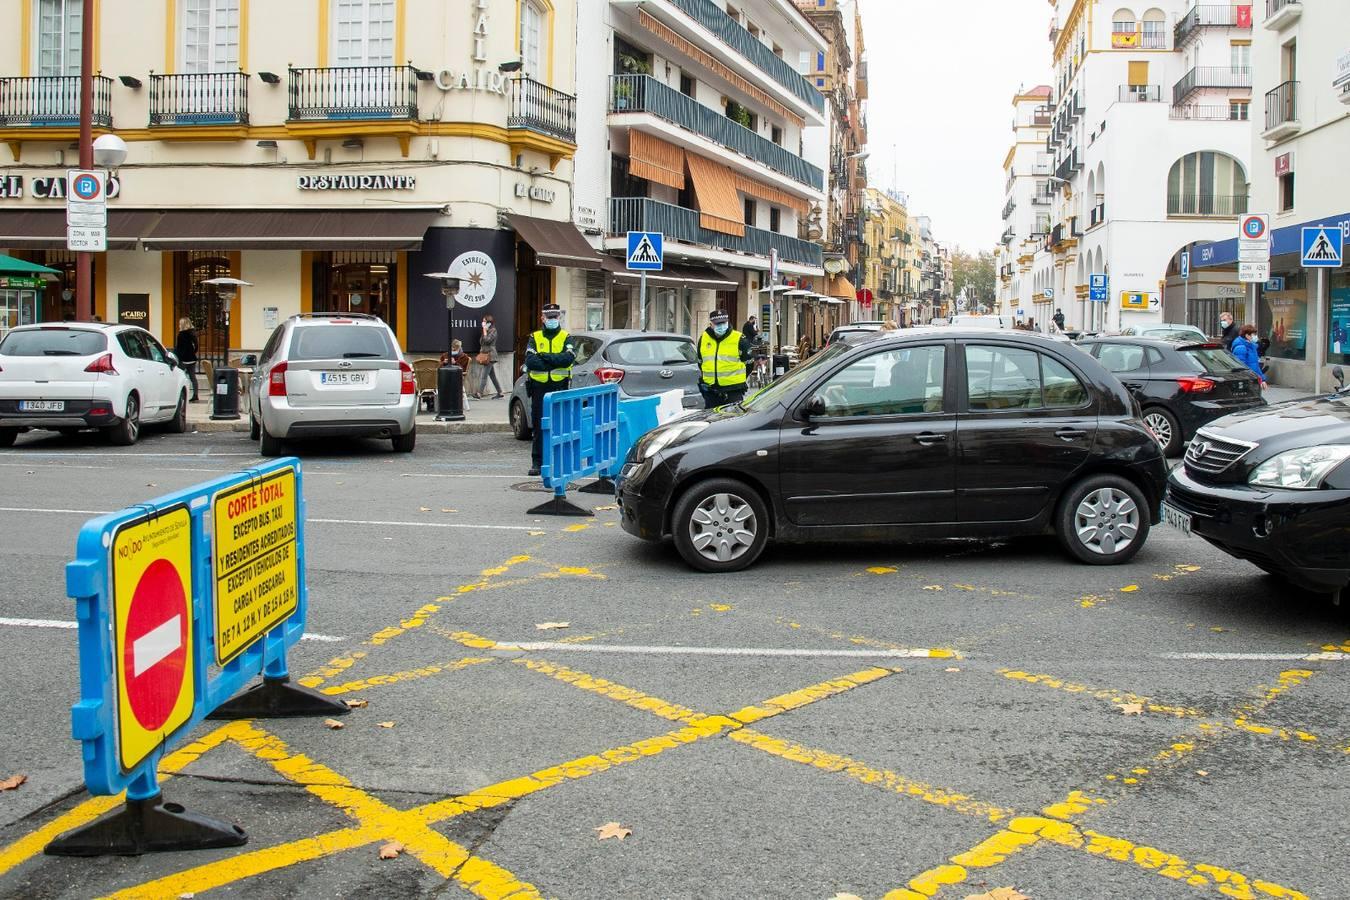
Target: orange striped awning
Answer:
pixel 841 288
pixel 771 194
pixel 655 160
pixel 715 190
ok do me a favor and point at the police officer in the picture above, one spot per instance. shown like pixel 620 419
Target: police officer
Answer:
pixel 548 362
pixel 723 353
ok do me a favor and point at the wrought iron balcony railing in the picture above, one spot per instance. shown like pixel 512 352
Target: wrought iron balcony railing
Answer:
pixel 1220 205
pixel 353 93
pixel 678 223
pixel 51 101
pixel 1202 77
pixel 200 98
pixel 537 107
pixel 1282 105
pixel 1140 93
pixel 1209 15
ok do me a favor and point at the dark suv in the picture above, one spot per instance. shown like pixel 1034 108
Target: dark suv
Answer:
pixel 910 435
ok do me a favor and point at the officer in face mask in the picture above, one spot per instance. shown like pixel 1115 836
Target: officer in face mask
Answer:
pixel 723 353
pixel 549 356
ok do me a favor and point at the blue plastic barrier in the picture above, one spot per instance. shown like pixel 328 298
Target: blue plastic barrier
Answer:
pixel 637 416
pixel 580 434
pixel 165 640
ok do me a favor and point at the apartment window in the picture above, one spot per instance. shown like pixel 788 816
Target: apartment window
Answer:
pixel 1287 192
pixel 1154 30
pixel 688 86
pixel 363 32
pixel 1238 110
pixel 210 35
pixel 1206 184
pixel 58 38
pixel 1124 22
pixel 775 219
pixel 820 60
pixel 531 38
pixel 1240 56
pixel 776 135
pixel 750 212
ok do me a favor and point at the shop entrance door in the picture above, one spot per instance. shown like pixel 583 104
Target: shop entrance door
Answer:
pixel 200 303
pixel 17 308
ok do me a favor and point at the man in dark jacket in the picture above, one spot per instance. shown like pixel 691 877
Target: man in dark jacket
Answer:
pixel 1230 329
pixel 1058 319
pixel 751 330
pixel 549 355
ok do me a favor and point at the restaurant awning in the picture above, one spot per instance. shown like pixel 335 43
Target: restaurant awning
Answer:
pixel 45 229
pixel 289 229
pixel 674 273
pixel 842 288
pixel 12 266
pixel 558 244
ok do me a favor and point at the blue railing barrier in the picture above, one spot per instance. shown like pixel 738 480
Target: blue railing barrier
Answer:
pixel 580 434
pixel 637 416
pixel 180 602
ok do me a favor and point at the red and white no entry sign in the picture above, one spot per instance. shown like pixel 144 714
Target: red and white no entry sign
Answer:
pixel 154 654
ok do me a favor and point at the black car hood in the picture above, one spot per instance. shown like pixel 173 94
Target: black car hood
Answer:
pixel 1284 426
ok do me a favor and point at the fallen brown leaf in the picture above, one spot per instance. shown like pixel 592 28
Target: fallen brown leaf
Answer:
pixel 386 724
pixel 357 704
pixel 952 669
pixel 552 626
pixel 424 509
pixel 391 850
pixel 1201 772
pixel 12 782
pixel 932 587
pixel 613 830
pixel 1131 709
pixel 843 896
pixel 1003 893
pixel 334 724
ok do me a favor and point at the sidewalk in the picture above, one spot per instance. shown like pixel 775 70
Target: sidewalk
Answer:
pixel 481 416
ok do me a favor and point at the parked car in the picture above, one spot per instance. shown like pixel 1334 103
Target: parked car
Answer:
pixel 641 363
pixel 1272 486
pixel 853 331
pixel 1167 331
pixel 332 375
pixel 977 320
pixel 913 435
pixel 1180 385
pixel 73 376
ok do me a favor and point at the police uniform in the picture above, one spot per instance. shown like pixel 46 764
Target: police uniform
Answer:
pixel 548 363
pixel 722 360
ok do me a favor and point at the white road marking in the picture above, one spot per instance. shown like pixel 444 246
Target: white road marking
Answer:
pixel 157 643
pixel 1259 657
pixel 468 525
pixel 69 512
pixel 83 454
pixel 460 475
pixel 721 651
pixel 61 623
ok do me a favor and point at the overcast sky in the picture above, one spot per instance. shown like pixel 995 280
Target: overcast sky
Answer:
pixel 942 75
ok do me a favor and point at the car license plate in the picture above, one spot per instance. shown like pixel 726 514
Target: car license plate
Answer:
pixel 1177 519
pixel 344 378
pixel 42 406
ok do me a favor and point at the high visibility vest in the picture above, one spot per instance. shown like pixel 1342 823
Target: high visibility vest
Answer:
pixel 556 344
pixel 722 364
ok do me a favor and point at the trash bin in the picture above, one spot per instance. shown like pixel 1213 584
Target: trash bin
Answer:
pixel 225 394
pixel 780 365
pixel 449 394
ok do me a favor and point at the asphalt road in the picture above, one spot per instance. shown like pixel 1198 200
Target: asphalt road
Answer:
pixel 942 719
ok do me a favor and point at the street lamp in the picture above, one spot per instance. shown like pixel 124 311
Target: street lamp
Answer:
pixel 449 378
pixel 110 151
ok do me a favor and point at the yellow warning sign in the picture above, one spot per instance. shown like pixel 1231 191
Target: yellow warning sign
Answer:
pixel 256 566
pixel 152 631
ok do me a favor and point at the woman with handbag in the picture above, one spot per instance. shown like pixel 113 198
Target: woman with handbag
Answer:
pixel 487 359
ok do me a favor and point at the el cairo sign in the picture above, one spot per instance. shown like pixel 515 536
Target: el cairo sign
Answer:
pixel 476 76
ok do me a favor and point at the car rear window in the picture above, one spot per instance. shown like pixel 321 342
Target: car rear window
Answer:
pixel 53 342
pixel 652 352
pixel 334 341
pixel 1212 360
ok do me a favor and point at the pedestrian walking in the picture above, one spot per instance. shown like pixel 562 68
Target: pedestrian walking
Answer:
pixel 549 356
pixel 185 347
pixel 723 353
pixel 1230 329
pixel 487 358
pixel 1245 349
pixel 1058 318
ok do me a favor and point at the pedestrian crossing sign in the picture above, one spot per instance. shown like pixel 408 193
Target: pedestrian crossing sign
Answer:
pixel 1323 247
pixel 646 251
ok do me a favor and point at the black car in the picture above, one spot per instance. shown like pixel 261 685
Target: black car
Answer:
pixel 1181 385
pixel 909 435
pixel 1272 486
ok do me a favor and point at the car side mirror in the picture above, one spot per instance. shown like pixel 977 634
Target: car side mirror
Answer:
pixel 815 408
pixel 1339 374
pixel 172 358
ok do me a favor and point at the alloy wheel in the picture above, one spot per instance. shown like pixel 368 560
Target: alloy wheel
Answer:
pixel 1106 521
pixel 1161 428
pixel 133 418
pixel 723 527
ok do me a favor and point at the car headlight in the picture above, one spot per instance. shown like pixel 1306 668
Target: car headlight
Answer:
pixel 669 436
pixel 1304 469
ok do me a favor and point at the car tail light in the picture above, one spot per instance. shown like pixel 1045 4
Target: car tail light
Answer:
pixel 103 365
pixel 409 383
pixel 1192 385
pixel 610 375
pixel 276 381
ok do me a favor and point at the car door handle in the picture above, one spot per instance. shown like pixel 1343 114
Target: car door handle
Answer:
pixel 928 438
pixel 1070 434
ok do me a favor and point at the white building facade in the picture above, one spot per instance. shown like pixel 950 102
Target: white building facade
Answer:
pixel 1027 205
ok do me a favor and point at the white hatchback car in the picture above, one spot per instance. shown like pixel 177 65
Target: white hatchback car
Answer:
pixel 70 376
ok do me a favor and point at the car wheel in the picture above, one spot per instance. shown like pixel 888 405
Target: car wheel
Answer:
pixel 178 424
pixel 1103 520
pixel 252 428
pixel 267 445
pixel 7 436
pixel 125 433
pixel 404 443
pixel 519 427
pixel 720 525
pixel 1165 428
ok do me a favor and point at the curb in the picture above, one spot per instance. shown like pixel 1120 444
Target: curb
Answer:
pixel 215 426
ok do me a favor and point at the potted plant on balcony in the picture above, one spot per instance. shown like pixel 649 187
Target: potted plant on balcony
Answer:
pixel 623 89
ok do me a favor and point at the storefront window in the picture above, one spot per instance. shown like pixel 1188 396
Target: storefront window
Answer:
pixel 621 313
pixel 1338 330
pixel 357 282
pixel 199 302
pixel 1284 318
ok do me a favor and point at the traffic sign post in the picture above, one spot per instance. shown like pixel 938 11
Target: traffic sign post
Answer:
pixel 157 656
pixel 87 210
pixel 1099 290
pixel 646 253
pixel 1323 247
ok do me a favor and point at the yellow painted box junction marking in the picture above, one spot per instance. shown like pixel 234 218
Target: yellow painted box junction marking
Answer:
pixel 256 565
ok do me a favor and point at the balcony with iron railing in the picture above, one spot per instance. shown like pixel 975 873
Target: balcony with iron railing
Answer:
pixel 1209 15
pixel 1282 13
pixel 680 224
pixel 1097 216
pixel 712 17
pixel 52 101
pixel 1282 112
pixel 1007 236
pixel 1204 114
pixel 1009 207
pixel 1217 205
pixel 199 98
pixel 1203 77
pixel 1140 93
pixel 542 109
pixel 353 93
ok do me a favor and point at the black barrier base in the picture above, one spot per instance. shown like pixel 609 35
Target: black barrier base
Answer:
pixel 279 699
pixel 603 486
pixel 147 826
pixel 560 506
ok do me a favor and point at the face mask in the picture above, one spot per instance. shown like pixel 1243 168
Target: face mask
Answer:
pixel 552 324
pixel 721 330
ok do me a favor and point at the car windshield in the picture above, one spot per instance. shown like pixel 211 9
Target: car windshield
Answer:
pixel 1212 360
pixel 340 342
pixel 53 342
pixel 784 386
pixel 978 321
pixel 1170 332
pixel 652 352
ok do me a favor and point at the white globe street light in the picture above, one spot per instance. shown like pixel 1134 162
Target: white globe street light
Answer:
pixel 110 151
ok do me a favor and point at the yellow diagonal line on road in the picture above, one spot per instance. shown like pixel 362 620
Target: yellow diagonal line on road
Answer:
pixel 373 681
pixel 1109 695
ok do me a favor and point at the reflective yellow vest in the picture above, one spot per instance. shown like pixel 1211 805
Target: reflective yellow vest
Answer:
pixel 544 344
pixel 722 359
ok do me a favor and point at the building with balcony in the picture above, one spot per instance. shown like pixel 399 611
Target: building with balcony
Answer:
pixel 884 274
pixel 692 118
pixel 1300 58
pixel 328 152
pixel 1149 144
pixel 1028 199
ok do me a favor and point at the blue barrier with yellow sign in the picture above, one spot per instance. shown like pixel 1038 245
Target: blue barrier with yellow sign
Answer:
pixel 580 434
pixel 180 602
